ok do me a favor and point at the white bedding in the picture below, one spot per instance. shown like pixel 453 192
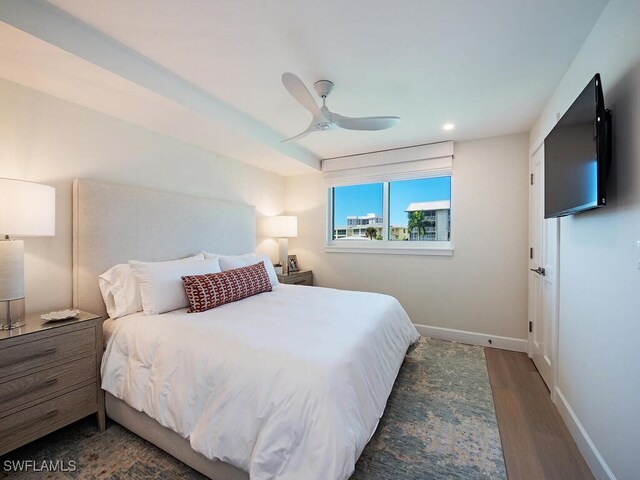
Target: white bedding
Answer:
pixel 288 384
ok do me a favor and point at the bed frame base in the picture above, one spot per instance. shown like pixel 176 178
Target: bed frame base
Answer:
pixel 169 441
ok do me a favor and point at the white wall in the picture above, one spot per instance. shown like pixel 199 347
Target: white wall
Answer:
pixel 599 354
pixel 48 140
pixel 483 286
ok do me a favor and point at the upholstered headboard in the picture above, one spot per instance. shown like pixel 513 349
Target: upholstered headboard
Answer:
pixel 114 224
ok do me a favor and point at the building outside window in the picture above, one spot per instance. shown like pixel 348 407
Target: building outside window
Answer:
pixel 429 221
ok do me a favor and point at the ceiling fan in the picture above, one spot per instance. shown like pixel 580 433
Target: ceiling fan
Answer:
pixel 323 118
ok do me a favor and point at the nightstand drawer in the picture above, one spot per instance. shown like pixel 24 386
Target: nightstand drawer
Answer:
pixel 304 277
pixel 46 351
pixel 30 388
pixel 34 422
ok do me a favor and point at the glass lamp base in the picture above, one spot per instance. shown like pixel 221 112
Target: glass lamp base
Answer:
pixel 11 314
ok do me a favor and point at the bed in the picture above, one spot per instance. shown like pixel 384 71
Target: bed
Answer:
pixel 286 384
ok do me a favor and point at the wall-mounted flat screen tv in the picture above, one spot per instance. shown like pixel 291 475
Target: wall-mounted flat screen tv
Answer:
pixel 577 155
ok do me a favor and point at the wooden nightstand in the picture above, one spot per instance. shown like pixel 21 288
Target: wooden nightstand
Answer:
pixel 49 377
pixel 303 277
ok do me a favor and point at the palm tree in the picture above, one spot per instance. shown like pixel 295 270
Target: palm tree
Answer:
pixel 417 222
pixel 371 233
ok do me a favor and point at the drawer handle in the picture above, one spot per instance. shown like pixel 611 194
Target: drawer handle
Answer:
pixel 28 423
pixel 44 353
pixel 33 388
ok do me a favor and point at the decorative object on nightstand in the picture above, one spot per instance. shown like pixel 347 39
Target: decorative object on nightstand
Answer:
pixel 60 315
pixel 49 377
pixel 26 210
pixel 301 277
pixel 292 264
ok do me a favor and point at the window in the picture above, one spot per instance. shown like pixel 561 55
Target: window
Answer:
pixel 391 201
pixel 420 210
pixel 357 212
pixel 411 214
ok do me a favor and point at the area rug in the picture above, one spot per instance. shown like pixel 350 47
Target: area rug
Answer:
pixel 439 424
pixel 440 421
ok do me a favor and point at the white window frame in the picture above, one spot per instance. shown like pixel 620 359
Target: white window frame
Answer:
pixel 421 161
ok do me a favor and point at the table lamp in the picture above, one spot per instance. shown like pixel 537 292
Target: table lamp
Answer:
pixel 282 227
pixel 26 210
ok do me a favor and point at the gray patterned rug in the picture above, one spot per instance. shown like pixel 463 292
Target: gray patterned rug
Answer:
pixel 439 424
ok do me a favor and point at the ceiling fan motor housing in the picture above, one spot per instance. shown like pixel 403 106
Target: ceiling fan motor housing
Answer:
pixel 323 87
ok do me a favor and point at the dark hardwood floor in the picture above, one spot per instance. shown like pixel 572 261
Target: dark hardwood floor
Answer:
pixel 535 440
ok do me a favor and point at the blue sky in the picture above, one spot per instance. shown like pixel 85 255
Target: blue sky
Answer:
pixel 363 199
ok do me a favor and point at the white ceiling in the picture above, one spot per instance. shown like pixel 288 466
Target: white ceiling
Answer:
pixel 488 67
pixel 26 60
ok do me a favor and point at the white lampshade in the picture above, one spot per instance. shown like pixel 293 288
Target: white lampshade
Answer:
pixel 281 226
pixel 27 209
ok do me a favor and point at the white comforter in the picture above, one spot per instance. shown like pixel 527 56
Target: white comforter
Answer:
pixel 288 384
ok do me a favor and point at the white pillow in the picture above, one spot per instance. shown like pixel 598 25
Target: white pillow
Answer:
pixel 161 288
pixel 120 290
pixel 229 262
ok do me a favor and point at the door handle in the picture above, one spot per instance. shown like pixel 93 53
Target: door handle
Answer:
pixel 540 271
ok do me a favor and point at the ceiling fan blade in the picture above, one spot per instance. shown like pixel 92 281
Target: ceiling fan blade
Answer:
pixel 298 91
pixel 310 129
pixel 364 123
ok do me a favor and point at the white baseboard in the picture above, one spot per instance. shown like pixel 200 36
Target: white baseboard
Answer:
pixel 473 338
pixel 596 463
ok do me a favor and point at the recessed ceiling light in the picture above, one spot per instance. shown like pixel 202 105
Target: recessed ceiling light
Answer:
pixel 448 126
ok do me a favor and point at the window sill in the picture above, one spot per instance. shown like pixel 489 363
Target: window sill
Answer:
pixel 386 249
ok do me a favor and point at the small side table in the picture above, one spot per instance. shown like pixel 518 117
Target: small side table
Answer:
pixel 49 377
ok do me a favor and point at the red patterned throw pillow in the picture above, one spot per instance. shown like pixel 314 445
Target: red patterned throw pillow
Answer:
pixel 214 289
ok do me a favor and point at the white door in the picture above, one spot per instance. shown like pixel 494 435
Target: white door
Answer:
pixel 543 278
